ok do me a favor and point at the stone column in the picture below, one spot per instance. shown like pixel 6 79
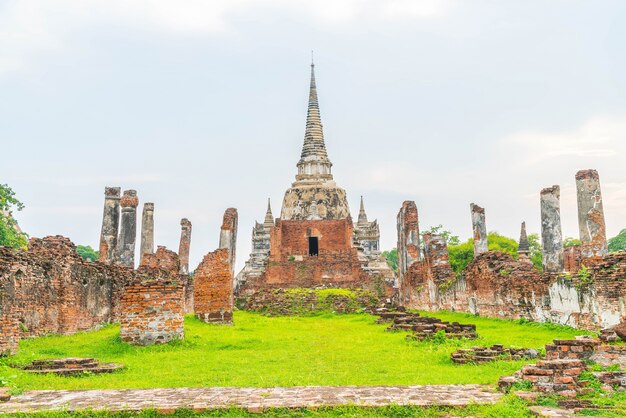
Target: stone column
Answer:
pixel 185 242
pixel 147 231
pixel 523 249
pixel 228 236
pixel 110 224
pixel 480 229
pixel 590 215
pixel 551 235
pixel 128 229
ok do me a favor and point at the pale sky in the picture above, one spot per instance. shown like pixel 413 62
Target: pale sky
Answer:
pixel 200 105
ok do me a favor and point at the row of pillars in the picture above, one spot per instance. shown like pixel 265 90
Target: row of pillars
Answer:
pixel 119 230
pixel 590 223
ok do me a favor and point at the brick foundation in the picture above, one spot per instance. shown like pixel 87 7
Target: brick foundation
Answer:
pixel 152 311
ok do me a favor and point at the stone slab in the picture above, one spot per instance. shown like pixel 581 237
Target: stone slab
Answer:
pixel 252 399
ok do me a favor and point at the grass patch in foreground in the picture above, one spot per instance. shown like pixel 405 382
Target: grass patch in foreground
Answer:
pixel 260 351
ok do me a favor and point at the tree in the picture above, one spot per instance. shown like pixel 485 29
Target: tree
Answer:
pixel 618 242
pixel 86 252
pixel 392 258
pixel 10 233
pixel 447 235
pixel 535 251
pixel 570 242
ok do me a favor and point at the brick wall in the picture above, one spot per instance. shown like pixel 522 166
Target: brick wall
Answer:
pixel 51 289
pixel 494 284
pixel 213 288
pixel 152 311
pixel 572 259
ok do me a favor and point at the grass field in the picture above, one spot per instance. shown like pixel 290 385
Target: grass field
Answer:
pixel 265 351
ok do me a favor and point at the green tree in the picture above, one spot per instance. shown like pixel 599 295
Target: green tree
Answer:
pixel 10 234
pixel 86 252
pixel 392 258
pixel 535 253
pixel 447 235
pixel 618 242
pixel 570 242
pixel 461 255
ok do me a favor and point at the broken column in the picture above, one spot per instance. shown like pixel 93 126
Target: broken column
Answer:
pixel 551 235
pixel 110 223
pixel 147 231
pixel 479 227
pixel 408 246
pixel 523 249
pixel 590 215
pixel 128 229
pixel 228 236
pixel 436 250
pixel 185 242
pixel 214 277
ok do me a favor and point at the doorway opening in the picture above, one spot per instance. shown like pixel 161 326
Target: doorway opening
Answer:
pixel 313 246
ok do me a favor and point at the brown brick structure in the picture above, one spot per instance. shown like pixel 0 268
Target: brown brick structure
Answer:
pixel 51 289
pixel 408 248
pixel 152 311
pixel 590 216
pixel 162 259
pixel 213 288
pixel 572 257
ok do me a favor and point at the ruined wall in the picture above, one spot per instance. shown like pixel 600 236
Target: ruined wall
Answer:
pixel 51 289
pixel 213 288
pixel 152 311
pixel 496 285
pixel 572 257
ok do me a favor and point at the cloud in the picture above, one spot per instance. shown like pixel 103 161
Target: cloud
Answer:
pixel 598 137
pixel 31 28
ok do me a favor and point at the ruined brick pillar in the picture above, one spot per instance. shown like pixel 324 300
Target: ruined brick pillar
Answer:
pixel 551 235
pixel 128 229
pixel 479 227
pixel 228 236
pixel 110 224
pixel 590 215
pixel 436 250
pixel 185 242
pixel 152 311
pixel 214 279
pixel 147 231
pixel 407 225
pixel 573 259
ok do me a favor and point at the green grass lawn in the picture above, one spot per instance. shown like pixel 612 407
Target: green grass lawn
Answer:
pixel 280 351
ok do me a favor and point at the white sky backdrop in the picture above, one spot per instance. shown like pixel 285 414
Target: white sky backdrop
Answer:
pixel 200 105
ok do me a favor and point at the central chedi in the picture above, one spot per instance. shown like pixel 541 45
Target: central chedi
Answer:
pixel 314 243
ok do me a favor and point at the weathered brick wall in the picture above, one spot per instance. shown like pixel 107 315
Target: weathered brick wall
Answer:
pixel 213 288
pixel 51 289
pixel 572 257
pixel 162 259
pixel 496 285
pixel 152 311
pixel 408 248
pixel 336 265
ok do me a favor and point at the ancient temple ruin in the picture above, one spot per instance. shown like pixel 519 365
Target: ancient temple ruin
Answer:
pixel 314 243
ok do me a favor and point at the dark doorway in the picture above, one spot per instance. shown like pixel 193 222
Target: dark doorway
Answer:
pixel 313 246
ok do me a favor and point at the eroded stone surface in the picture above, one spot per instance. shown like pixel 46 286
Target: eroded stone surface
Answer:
pixel 551 235
pixel 110 225
pixel 590 215
pixel 253 399
pixel 479 226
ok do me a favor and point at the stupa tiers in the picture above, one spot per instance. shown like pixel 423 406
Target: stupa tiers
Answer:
pixel 314 242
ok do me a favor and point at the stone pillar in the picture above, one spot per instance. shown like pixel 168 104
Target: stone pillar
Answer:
pixel 110 224
pixel 228 236
pixel 590 215
pixel 147 231
pixel 128 229
pixel 436 250
pixel 407 225
pixel 551 235
pixel 185 242
pixel 480 229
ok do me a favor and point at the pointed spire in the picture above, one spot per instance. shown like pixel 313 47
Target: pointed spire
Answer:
pixel 314 162
pixel 524 247
pixel 269 218
pixel 362 215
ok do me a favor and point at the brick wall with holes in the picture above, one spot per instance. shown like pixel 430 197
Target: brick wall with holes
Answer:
pixel 152 311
